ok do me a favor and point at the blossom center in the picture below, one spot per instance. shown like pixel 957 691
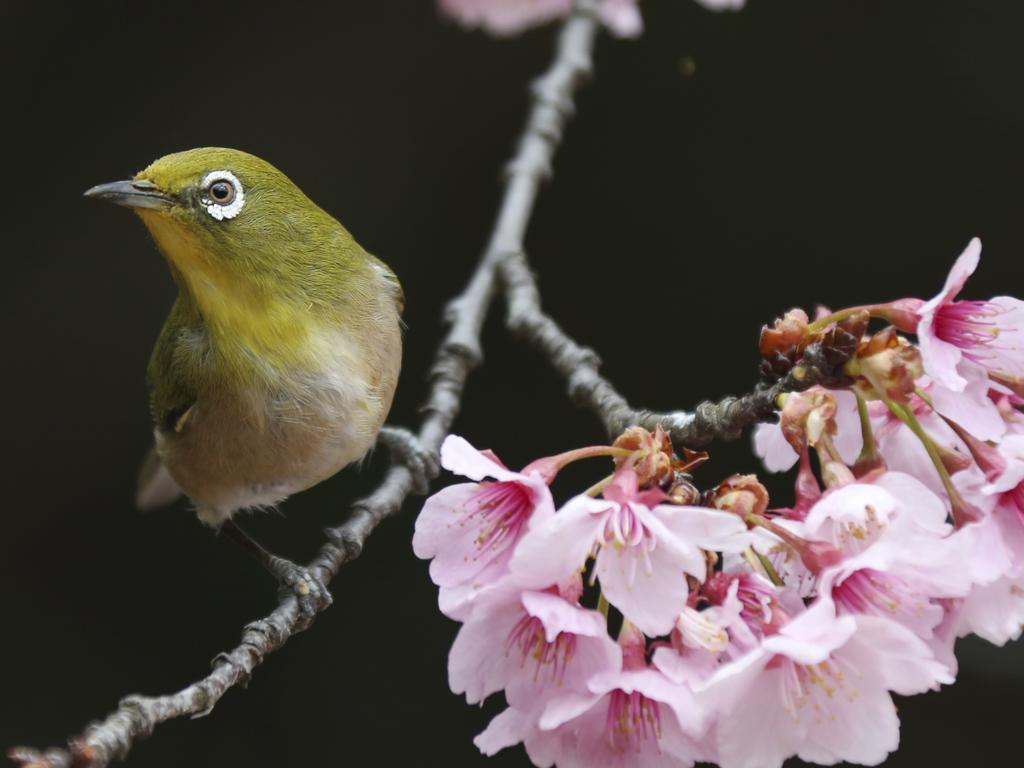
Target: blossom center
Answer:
pixel 968 324
pixel 624 528
pixel 632 722
pixel 501 509
pixel 698 631
pixel 868 591
pixel 816 685
pixel 529 639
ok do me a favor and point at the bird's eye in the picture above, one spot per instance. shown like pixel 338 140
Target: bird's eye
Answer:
pixel 222 195
pixel 222 192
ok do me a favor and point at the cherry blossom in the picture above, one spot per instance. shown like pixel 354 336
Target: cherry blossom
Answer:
pixel 990 333
pixel 899 554
pixel 634 716
pixel 511 17
pixel 470 530
pixel 528 642
pixel 751 633
pixel 819 689
pixel 643 548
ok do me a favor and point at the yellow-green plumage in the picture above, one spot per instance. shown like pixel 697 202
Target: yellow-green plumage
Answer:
pixel 278 362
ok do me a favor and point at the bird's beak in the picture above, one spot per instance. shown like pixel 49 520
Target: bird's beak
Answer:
pixel 133 193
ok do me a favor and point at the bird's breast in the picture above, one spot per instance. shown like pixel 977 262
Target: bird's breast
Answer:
pixel 251 439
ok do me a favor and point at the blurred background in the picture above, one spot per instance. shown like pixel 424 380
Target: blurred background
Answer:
pixel 720 170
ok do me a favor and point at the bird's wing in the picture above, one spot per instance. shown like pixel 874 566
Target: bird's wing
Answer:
pixel 155 488
pixel 172 400
pixel 391 279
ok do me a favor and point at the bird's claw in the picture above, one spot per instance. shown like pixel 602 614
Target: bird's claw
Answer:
pixel 310 591
pixel 406 448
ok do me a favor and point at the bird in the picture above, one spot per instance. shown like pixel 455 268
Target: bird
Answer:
pixel 278 362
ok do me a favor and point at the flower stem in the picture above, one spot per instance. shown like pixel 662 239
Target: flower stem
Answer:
pixel 875 310
pixel 599 486
pixel 869 454
pixel 827 451
pixel 549 466
pixel 762 565
pixel 961 511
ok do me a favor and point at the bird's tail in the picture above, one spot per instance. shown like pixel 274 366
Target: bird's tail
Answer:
pixel 156 488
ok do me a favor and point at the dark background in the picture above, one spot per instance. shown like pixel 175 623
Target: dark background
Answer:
pixel 832 152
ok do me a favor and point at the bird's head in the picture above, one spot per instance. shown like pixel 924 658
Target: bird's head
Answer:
pixel 252 252
pixel 214 209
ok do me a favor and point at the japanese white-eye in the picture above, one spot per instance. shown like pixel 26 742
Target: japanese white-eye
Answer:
pixel 278 362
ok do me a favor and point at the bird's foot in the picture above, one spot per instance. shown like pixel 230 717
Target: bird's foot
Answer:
pixel 405 448
pixel 311 591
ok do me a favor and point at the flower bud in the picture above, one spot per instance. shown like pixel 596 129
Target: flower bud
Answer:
pixel 741 494
pixel 786 333
pixel 807 416
pixel 683 492
pixel 655 463
pixel 888 365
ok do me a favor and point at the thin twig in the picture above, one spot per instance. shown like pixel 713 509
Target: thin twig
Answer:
pixel 460 352
pixel 723 420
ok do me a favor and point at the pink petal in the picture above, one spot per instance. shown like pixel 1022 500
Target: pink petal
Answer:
pixel 562 709
pixel 458 456
pixel 557 615
pixel 433 528
pixel 722 5
pixel 506 730
pixel 1007 351
pixel 478 664
pixel 904 453
pixel 692 718
pixel 1012 450
pixel 622 17
pixel 849 439
pixel 848 506
pixel 897 658
pixel 442 533
pixel 924 507
pixel 970 406
pixel 559 546
pixel 774 450
pixel 650 591
pixel 995 612
pixel 755 730
pixel 813 635
pixel 862 730
pixel 962 269
pixel 705 528
pixel 939 358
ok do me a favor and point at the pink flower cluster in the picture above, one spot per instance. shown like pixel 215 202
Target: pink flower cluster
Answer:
pixel 643 623
pixel 510 17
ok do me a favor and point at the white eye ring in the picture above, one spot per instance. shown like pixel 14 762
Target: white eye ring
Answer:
pixel 215 209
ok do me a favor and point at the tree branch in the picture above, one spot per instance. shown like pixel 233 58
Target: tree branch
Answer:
pixel 503 268
pixel 579 366
pixel 137 716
